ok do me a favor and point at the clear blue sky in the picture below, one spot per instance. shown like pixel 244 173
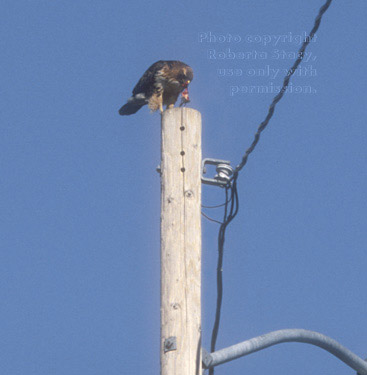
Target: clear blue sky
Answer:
pixel 80 197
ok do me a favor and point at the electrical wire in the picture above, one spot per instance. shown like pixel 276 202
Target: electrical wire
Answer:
pixel 211 219
pixel 279 96
pixel 229 214
pixel 217 206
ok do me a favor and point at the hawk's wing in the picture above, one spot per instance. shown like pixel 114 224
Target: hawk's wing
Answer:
pixel 147 81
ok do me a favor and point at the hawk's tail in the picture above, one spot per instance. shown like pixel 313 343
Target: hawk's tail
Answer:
pixel 132 106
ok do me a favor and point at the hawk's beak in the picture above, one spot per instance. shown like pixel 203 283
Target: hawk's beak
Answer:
pixel 187 82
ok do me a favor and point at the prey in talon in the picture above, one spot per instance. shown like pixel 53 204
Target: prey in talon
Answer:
pixel 185 97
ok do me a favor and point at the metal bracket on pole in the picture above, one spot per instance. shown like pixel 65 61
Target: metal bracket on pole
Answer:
pixel 224 172
pixel 170 344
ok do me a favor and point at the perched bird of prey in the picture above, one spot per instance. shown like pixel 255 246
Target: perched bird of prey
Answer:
pixel 160 85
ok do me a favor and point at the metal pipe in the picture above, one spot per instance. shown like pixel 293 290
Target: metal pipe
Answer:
pixel 288 335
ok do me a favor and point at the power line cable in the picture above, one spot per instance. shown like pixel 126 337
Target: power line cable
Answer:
pixel 229 215
pixel 217 206
pixel 211 219
pixel 232 186
pixel 279 96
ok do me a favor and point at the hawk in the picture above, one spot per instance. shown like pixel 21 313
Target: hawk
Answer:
pixel 160 85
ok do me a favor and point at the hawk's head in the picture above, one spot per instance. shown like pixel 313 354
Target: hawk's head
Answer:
pixel 185 76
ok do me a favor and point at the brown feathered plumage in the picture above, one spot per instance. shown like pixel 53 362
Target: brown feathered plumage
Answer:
pixel 160 85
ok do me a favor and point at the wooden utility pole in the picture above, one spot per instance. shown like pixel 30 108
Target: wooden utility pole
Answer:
pixel 181 242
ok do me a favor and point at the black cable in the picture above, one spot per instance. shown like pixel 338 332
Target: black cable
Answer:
pixel 279 96
pixel 229 215
pixel 217 206
pixel 211 219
